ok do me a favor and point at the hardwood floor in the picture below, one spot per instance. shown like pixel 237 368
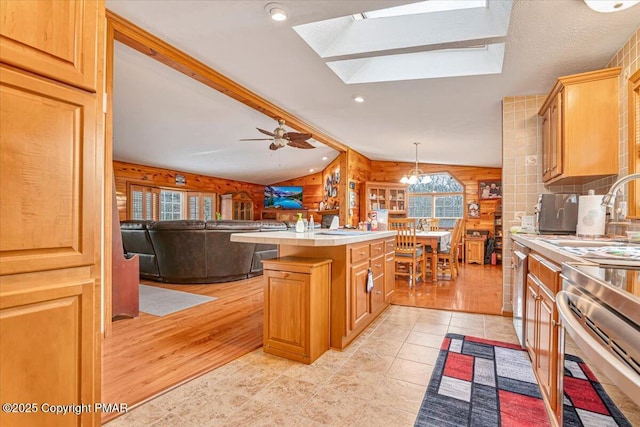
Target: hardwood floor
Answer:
pixel 478 289
pixel 149 355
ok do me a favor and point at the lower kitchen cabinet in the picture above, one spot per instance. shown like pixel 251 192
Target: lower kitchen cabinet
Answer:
pixel 353 306
pixel 296 307
pixel 542 328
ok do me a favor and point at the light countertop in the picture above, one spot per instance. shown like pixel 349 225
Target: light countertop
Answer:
pixel 317 238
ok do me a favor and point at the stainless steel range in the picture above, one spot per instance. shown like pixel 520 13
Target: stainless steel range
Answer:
pixel 600 309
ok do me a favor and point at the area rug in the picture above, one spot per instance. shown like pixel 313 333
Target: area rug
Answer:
pixel 485 383
pixel 160 302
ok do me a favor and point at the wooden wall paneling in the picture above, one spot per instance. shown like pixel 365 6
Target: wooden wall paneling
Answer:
pixel 469 176
pixel 130 173
pixel 312 191
pixel 358 172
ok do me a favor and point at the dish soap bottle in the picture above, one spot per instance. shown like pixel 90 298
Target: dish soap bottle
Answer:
pixel 300 224
pixel 311 224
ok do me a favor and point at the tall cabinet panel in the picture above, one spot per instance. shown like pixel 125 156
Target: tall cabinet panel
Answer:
pixel 56 39
pixel 50 116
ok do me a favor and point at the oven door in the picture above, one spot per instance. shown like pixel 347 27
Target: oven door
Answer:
pixel 609 341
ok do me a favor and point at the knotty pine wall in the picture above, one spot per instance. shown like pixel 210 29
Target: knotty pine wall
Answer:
pixel 466 175
pixel 130 173
pixel 359 171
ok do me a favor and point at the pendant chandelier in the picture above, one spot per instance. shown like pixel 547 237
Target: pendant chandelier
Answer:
pixel 416 176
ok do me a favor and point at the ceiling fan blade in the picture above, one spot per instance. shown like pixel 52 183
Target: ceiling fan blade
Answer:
pixel 257 139
pixel 297 135
pixel 300 144
pixel 266 132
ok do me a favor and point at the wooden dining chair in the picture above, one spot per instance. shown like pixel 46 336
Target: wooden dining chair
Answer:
pixel 434 224
pixel 408 251
pixel 448 260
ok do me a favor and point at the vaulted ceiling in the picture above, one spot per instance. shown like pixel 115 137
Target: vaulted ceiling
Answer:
pixel 163 118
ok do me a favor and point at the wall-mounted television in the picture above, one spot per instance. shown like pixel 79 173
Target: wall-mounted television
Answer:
pixel 283 197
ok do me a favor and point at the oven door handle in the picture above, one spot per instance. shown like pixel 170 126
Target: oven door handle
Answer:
pixel 627 379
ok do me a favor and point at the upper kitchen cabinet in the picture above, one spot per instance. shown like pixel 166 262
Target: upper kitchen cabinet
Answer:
pixel 580 128
pixel 65 52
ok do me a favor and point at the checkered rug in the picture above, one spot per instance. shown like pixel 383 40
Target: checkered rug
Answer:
pixel 484 383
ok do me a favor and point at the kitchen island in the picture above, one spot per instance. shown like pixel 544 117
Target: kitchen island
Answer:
pixel 353 305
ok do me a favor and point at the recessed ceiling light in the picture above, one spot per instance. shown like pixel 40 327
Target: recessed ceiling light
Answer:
pixel 610 6
pixel 311 170
pixel 276 11
pixel 325 158
pixel 358 98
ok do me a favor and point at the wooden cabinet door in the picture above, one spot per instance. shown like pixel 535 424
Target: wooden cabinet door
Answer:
pixel 389 277
pixel 546 143
pixel 286 322
pixel 47 173
pixel 546 362
pixel 555 137
pixel 360 302
pixel 63 47
pixel 378 293
pixel 531 318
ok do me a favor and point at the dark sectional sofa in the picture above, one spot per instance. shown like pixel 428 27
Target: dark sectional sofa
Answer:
pixel 187 251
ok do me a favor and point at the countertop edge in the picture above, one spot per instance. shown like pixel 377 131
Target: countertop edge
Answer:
pixel 292 238
pixel 547 249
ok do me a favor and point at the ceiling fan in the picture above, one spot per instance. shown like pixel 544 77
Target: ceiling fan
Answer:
pixel 281 137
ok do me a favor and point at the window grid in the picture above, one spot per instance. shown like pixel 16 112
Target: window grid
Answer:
pixel 442 198
pixel 170 205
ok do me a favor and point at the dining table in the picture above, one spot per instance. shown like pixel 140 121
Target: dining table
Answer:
pixel 438 240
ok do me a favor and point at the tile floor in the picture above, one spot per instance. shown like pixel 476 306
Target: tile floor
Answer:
pixel 379 380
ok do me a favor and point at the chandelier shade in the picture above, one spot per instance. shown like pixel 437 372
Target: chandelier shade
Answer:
pixel 415 176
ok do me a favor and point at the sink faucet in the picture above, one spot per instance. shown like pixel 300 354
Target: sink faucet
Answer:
pixel 609 199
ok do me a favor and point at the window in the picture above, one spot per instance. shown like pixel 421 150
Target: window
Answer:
pixel 170 205
pixel 143 202
pixel 201 206
pixel 152 203
pixel 442 198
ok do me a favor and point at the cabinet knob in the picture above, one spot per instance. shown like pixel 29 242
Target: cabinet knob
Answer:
pixel 378 265
pixel 378 292
pixel 285 274
pixel 363 253
pixel 379 249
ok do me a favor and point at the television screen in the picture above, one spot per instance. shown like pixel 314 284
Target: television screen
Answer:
pixel 283 197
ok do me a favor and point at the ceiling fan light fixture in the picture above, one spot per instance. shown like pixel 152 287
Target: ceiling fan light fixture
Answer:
pixel 277 12
pixel 606 6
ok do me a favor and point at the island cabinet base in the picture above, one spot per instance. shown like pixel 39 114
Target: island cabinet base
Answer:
pixel 296 307
pixel 354 303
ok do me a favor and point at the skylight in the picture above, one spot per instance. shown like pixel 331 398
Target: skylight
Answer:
pixel 424 7
pixel 383 46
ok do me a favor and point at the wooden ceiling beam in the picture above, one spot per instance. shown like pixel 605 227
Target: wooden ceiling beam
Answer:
pixel 146 43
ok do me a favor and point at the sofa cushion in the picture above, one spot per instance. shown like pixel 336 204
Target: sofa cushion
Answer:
pixel 180 249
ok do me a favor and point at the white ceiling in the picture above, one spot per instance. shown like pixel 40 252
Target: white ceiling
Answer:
pixel 164 119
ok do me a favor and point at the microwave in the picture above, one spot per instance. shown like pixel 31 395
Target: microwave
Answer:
pixel 557 213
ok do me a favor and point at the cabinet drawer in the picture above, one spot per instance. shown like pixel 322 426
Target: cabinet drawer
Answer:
pixel 359 253
pixel 377 266
pixel 377 249
pixel 546 271
pixel 390 246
